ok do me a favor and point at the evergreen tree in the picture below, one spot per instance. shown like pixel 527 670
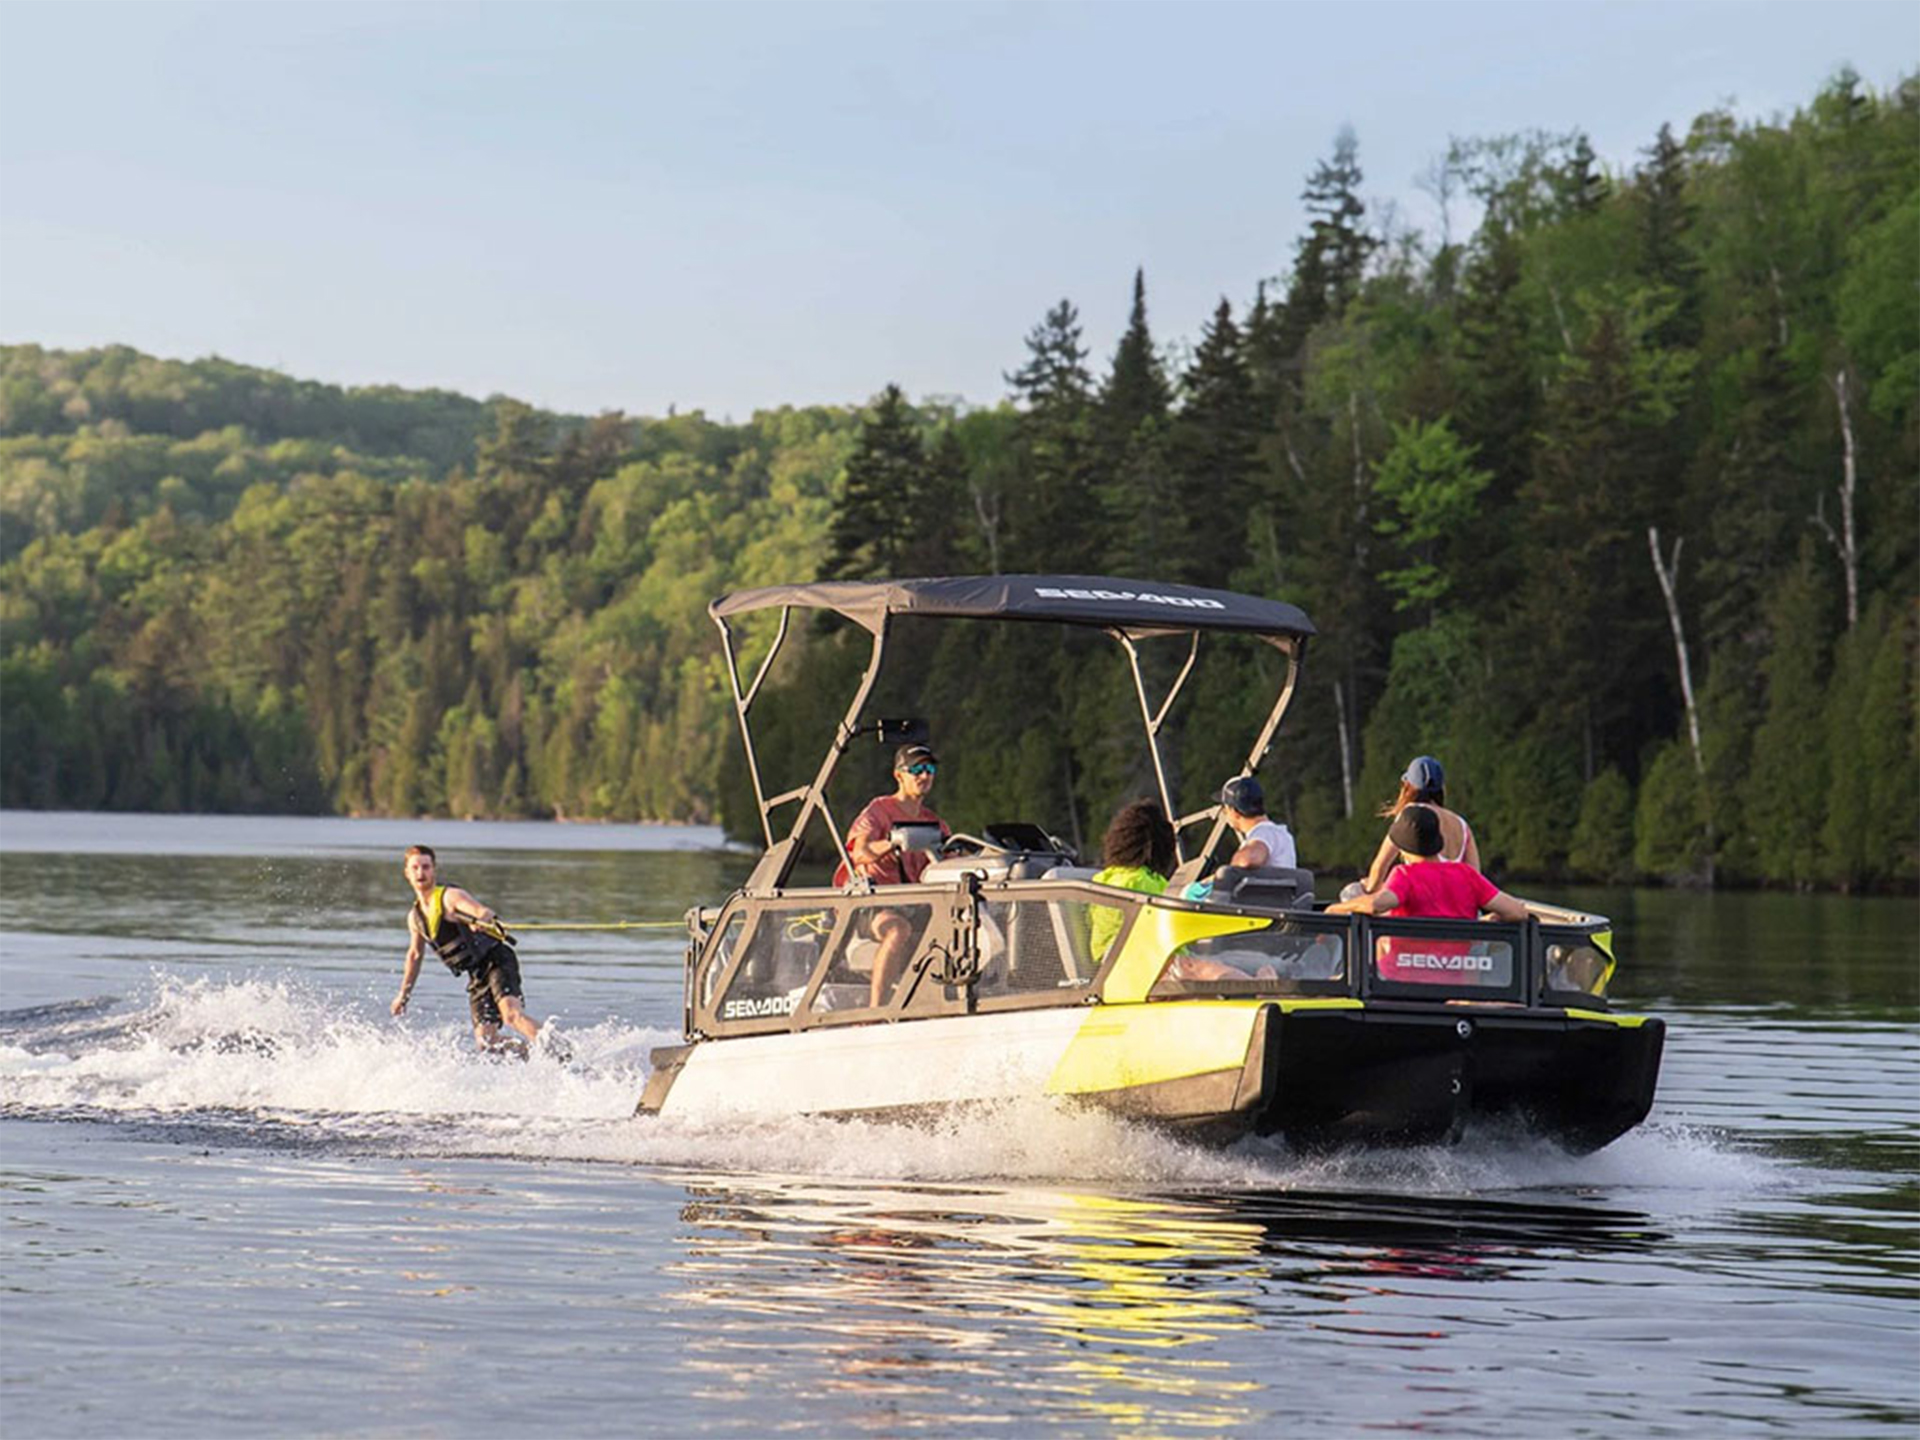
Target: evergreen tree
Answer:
pixel 1603 839
pixel 1666 236
pixel 1588 606
pixel 939 530
pixel 1135 391
pixel 1214 450
pixel 1053 496
pixel 875 522
pixel 1337 242
pixel 1145 524
pixel 1586 185
pixel 1670 822
pixel 1785 793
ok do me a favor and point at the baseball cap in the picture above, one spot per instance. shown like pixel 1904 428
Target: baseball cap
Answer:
pixel 1416 830
pixel 1426 775
pixel 908 754
pixel 1243 794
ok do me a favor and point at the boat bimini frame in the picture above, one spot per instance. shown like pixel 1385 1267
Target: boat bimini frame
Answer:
pixel 1128 610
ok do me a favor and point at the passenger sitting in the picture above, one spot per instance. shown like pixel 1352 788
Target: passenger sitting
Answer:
pixel 1138 848
pixel 872 851
pixel 1425 883
pixel 1425 783
pixel 1138 853
pixel 1263 842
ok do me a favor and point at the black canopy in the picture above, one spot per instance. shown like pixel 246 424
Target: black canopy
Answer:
pixel 1136 607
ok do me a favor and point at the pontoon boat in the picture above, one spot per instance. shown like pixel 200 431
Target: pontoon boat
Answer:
pixel 1323 1029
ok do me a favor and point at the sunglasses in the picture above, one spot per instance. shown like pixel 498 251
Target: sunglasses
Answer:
pixel 923 767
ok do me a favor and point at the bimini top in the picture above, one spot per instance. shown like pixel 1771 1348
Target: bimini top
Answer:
pixel 1135 607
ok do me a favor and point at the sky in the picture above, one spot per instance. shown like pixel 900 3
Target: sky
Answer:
pixel 730 207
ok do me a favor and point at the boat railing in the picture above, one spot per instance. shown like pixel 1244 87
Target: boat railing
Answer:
pixel 805 957
pixel 1555 962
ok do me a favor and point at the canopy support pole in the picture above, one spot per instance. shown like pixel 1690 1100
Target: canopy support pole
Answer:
pixel 743 702
pixel 1293 649
pixel 775 866
pixel 1154 719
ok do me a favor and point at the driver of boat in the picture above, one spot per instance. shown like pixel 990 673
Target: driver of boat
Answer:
pixel 871 849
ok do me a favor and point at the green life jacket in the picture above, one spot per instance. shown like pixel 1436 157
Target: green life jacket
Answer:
pixel 458 944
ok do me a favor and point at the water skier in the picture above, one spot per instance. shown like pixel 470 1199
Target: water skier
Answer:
pixel 468 938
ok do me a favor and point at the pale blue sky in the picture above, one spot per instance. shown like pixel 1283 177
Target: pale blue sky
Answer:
pixel 600 206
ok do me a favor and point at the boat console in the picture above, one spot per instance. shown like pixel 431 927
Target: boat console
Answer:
pixel 1011 850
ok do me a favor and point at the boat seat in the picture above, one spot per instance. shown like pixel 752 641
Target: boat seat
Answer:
pixel 1269 887
pixel 1070 872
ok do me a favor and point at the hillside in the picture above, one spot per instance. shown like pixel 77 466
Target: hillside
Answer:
pixel 222 588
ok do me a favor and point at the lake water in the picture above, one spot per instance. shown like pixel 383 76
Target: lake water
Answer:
pixel 238 1199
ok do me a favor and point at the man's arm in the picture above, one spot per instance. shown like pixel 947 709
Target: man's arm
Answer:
pixel 459 902
pixel 416 943
pixel 1251 856
pixel 864 847
pixel 1378 903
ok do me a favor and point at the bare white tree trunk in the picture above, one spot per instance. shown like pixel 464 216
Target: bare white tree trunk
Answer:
pixel 1560 317
pixel 1669 573
pixel 1845 544
pixel 1293 457
pixel 1346 750
pixel 989 517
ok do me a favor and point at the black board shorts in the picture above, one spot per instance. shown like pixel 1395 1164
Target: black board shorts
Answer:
pixel 497 975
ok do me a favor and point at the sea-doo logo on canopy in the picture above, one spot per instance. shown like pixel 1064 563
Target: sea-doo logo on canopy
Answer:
pixel 1182 602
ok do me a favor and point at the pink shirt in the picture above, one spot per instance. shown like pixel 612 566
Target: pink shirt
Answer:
pixel 1440 889
pixel 884 812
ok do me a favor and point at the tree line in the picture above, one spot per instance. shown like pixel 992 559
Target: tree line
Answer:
pixel 1610 502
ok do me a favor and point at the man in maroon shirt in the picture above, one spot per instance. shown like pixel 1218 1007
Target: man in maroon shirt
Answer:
pixel 1427 885
pixel 871 848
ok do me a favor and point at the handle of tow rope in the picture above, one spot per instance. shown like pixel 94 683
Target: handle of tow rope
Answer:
pixel 497 928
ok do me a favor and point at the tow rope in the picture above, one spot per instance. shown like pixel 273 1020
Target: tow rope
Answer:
pixel 608 925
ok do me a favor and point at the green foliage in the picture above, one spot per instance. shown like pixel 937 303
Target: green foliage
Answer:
pixel 1787 785
pixel 1603 835
pixel 221 587
pixel 1428 485
pixel 883 505
pixel 1671 819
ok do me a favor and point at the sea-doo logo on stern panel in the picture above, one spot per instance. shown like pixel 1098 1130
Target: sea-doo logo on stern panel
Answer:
pixel 1444 962
pixel 1144 597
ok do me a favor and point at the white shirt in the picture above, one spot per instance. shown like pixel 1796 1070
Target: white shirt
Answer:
pixel 1279 843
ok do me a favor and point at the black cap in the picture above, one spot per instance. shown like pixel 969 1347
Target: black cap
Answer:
pixel 908 754
pixel 1416 830
pixel 1244 795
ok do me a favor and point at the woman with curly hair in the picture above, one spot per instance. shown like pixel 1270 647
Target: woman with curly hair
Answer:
pixel 1138 851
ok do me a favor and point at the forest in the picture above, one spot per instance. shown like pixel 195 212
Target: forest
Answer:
pixel 1610 500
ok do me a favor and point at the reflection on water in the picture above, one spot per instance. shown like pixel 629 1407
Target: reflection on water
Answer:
pixel 1096 1306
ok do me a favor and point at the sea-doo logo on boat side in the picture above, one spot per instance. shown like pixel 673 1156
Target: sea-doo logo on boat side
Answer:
pixel 1183 602
pixel 754 1009
pixel 1444 962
